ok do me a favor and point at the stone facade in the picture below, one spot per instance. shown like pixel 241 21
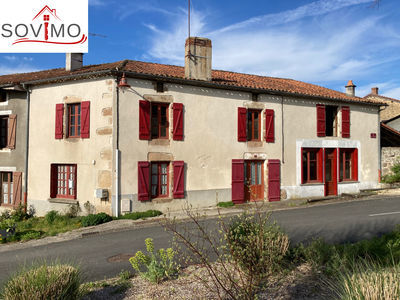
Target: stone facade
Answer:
pixel 390 157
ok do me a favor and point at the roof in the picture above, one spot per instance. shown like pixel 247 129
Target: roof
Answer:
pixel 390 137
pixel 224 79
pixel 393 106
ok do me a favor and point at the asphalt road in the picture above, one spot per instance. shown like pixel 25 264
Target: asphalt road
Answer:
pixel 105 255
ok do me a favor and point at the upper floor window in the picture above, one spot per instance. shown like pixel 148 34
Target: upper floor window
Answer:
pixel 8 126
pixel 74 120
pixel 253 125
pixel 3 131
pixel 327 121
pixel 331 120
pixel 3 96
pixel 159 121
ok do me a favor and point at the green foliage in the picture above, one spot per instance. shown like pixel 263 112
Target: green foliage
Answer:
pixel 19 213
pixel 92 220
pixel 141 215
pixel 158 266
pixel 258 247
pixel 73 211
pixel 51 216
pixel 394 177
pixel 57 281
pixel 225 204
pixel 30 235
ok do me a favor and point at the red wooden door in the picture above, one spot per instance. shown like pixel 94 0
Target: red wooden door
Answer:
pixel 254 181
pixel 274 180
pixel 330 172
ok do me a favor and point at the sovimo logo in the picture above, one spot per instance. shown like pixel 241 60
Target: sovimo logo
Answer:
pixel 59 26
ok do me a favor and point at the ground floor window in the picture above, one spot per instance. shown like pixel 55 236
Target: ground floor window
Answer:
pixel 159 179
pixel 63 181
pixel 6 189
pixel 348 161
pixel 311 165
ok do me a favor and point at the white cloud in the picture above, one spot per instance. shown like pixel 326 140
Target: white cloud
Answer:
pixel 97 2
pixel 4 70
pixel 389 89
pixel 10 57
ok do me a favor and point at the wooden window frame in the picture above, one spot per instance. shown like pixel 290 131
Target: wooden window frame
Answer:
pixel 5 145
pixel 318 163
pixel 10 190
pixel 77 113
pixel 157 124
pixel 342 162
pixel 331 109
pixel 250 133
pixel 158 184
pixel 65 180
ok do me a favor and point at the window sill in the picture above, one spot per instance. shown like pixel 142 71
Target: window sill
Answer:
pixel 159 142
pixel 254 144
pixel 5 150
pixel 312 183
pixel 348 181
pixel 162 200
pixel 63 201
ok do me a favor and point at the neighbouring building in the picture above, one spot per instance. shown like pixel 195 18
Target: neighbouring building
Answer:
pixel 131 135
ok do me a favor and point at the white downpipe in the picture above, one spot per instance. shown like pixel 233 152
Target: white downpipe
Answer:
pixel 117 183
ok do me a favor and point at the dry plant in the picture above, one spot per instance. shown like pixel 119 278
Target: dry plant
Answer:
pixel 238 252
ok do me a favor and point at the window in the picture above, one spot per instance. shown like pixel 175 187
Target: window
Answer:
pixel 331 120
pixel 253 125
pixel 159 179
pixel 74 120
pixel 3 131
pixel 348 160
pixel 159 121
pixel 63 181
pixel 6 189
pixel 3 96
pixel 311 165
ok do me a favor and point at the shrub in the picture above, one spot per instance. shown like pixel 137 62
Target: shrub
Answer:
pixel 92 220
pixel 394 177
pixel 141 215
pixel 158 265
pixel 225 204
pixel 7 229
pixel 44 282
pixel 19 213
pixel 73 211
pixel 257 246
pixel 51 216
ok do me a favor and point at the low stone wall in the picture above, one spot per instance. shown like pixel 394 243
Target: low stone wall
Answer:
pixel 390 157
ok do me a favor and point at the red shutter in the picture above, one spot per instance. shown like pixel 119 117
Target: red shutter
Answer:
pixel 320 165
pixel 85 119
pixel 53 181
pixel 274 180
pixel 12 127
pixel 238 181
pixel 179 183
pixel 17 187
pixel 178 121
pixel 59 120
pixel 345 121
pixel 355 165
pixel 143 180
pixel 242 119
pixel 144 120
pixel 269 126
pixel 321 120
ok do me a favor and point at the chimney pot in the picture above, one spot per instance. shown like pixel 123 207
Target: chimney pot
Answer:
pixel 375 90
pixel 73 61
pixel 198 52
pixel 350 88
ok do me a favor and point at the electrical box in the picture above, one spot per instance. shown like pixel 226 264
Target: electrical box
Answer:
pixel 101 193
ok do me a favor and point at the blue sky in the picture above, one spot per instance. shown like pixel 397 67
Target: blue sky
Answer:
pixel 326 42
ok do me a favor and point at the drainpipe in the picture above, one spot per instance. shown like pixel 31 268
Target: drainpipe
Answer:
pixel 283 133
pixel 28 98
pixel 117 155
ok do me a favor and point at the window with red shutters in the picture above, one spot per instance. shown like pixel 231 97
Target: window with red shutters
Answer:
pixel 178 121
pixel 179 182
pixel 348 164
pixel 253 125
pixel 345 121
pixel 312 164
pixel 74 120
pixel 143 181
pixel 6 188
pixel 63 181
pixel 238 181
pixel 159 120
pixel 242 120
pixel 8 127
pixel 269 126
pixel 159 179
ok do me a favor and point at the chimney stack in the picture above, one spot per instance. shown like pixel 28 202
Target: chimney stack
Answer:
pixel 375 91
pixel 198 52
pixel 73 61
pixel 350 89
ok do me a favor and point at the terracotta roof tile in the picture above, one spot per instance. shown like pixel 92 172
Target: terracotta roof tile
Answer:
pixel 221 78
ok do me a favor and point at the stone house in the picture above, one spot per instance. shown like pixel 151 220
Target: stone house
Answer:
pixel 130 135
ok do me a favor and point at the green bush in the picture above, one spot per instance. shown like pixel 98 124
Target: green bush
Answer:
pixel 51 216
pixel 92 220
pixel 158 265
pixel 44 282
pixel 394 177
pixel 258 247
pixel 141 215
pixel 225 204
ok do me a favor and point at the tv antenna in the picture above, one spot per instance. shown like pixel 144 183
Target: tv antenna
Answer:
pixel 98 35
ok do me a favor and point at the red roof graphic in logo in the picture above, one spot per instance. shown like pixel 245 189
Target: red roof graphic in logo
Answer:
pixel 48 10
